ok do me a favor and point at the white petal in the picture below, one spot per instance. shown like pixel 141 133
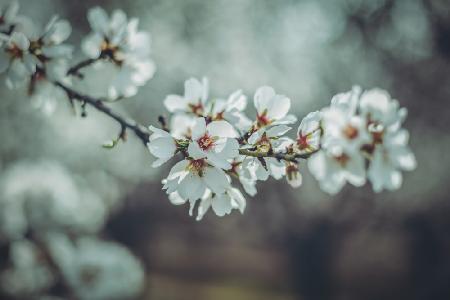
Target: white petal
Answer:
pixel 310 123
pixel 256 136
pixel 279 107
pixel 221 129
pixel 278 130
pixel 239 201
pixel 193 90
pixel 356 170
pixel 216 179
pixel 221 204
pixel 98 19
pixel 195 151
pixel 176 199
pixel 218 161
pixel 237 101
pixel 230 149
pixel 263 98
pixel 175 103
pixel 178 169
pixel 199 128
pixel 162 147
pixel 191 187
pixel 204 206
pixel 91 45
pixel 277 168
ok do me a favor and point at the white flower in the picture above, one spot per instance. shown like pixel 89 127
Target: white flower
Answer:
pixel 272 109
pixel 96 269
pixel 264 140
pixel 340 123
pixel 118 40
pixel 380 109
pixel 216 142
pixel 388 159
pixel 162 145
pixel 190 178
pixel 194 99
pixel 181 125
pixel 309 133
pixel 48 44
pixel 222 204
pixel 15 59
pixel 8 16
pixel 388 151
pixel 336 164
pixel 231 110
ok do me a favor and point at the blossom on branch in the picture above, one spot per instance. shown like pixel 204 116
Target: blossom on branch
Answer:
pixel 117 40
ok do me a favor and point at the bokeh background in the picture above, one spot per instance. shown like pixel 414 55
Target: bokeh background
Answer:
pixel 289 244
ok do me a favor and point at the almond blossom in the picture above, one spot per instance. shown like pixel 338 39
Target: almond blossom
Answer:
pixel 216 142
pixel 194 99
pixel 389 148
pixel 336 164
pixel 192 177
pixel 118 40
pixel 265 140
pixel 271 108
pixel 231 110
pixel 16 59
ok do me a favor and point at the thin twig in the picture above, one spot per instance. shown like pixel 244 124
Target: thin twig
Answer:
pixel 138 129
pixel 75 70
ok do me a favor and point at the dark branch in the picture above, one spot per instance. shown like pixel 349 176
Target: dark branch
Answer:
pixel 75 70
pixel 138 129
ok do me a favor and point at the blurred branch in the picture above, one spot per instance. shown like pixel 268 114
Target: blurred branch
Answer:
pixel 75 70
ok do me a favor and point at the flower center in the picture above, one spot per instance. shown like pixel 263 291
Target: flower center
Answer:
pixel 302 142
pixel 197 166
pixel 15 52
pixel 196 108
pixel 262 119
pixel 351 132
pixel 206 142
pixel 342 159
pixel 219 116
pixel 111 51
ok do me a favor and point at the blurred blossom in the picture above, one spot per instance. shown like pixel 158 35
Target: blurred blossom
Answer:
pixel 96 269
pixel 44 196
pixel 27 275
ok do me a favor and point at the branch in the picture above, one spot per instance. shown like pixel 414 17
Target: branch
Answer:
pixel 140 131
pixel 279 156
pixel 144 134
pixel 75 70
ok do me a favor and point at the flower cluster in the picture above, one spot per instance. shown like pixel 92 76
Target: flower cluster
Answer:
pixel 117 41
pixel 357 137
pixel 36 58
